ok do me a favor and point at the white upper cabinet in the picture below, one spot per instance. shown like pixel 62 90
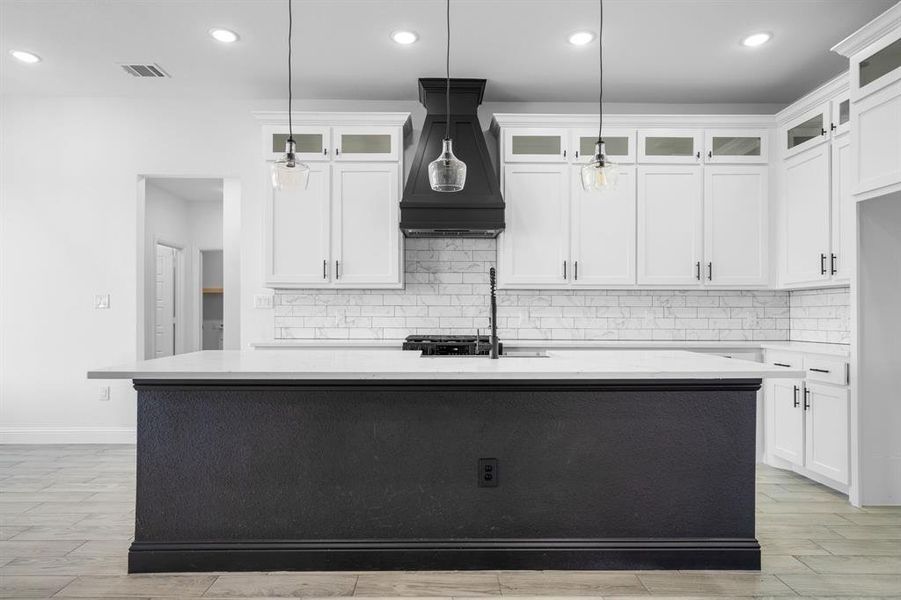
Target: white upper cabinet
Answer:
pixel 534 249
pixel 877 133
pixel 840 112
pixel 670 146
pixel 670 232
pixel 361 143
pixel 842 257
pixel 535 145
pixel 311 141
pixel 809 130
pixel 826 414
pixel 735 146
pixel 365 218
pixel 619 143
pixel 806 226
pixel 603 232
pixel 735 225
pixel 297 233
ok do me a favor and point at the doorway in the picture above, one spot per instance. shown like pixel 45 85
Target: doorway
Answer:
pixel 211 308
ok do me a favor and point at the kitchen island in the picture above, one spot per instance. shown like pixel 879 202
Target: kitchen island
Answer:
pixel 362 459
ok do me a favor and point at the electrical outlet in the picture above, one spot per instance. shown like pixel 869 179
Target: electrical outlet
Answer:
pixel 101 300
pixel 103 395
pixel 487 472
pixel 262 300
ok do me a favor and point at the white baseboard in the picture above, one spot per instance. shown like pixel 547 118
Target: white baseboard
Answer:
pixel 67 435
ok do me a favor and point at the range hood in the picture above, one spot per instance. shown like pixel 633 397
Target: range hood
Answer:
pixel 478 209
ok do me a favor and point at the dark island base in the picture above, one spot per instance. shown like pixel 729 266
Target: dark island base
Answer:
pixel 385 475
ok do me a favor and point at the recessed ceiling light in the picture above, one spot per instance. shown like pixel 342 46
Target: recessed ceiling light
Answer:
pixel 26 57
pixel 404 38
pixel 580 38
pixel 756 39
pixel 226 36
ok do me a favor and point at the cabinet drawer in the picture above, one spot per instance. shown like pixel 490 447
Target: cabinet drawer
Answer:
pixel 826 370
pixel 789 360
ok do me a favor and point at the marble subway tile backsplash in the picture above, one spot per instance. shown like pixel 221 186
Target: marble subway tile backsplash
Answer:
pixel 447 292
pixel 820 316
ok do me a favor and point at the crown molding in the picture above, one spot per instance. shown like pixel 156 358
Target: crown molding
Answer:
pixel 280 117
pixel 869 33
pixel 826 92
pixel 500 120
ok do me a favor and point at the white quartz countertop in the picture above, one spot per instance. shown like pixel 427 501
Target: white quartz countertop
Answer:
pixel 558 344
pixel 361 364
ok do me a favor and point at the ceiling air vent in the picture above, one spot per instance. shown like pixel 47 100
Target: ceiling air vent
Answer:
pixel 151 70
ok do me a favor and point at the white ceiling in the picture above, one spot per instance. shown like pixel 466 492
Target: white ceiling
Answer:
pixel 680 51
pixel 190 189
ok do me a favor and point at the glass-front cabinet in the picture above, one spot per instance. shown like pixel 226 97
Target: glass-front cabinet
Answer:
pixel 879 67
pixel 809 130
pixel 734 146
pixel 366 143
pixel 841 115
pixel 535 145
pixel 680 146
pixel 619 143
pixel 311 142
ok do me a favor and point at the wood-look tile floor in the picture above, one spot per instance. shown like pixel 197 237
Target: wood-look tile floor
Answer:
pixel 67 516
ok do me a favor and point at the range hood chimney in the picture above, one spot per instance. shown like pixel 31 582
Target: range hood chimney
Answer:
pixel 478 209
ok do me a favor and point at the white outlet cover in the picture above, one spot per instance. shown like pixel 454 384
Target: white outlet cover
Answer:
pixel 262 300
pixel 101 301
pixel 103 395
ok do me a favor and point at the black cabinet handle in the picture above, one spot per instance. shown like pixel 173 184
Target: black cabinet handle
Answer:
pixel 822 264
pixel 782 365
pixel 795 397
pixel 710 154
pixel 337 273
pixel 833 126
pixel 325 152
pixel 822 132
pixel 699 155
pixel 564 154
pixel 577 154
pixel 806 399
pixel 576 271
pixel 710 271
pixel 564 269
pixel 819 370
pixel 337 151
pixel 698 270
pixel 324 267
pixel 832 264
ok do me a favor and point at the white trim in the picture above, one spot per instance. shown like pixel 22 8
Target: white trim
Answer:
pixel 870 32
pixel 499 120
pixel 329 119
pixel 825 93
pixel 67 435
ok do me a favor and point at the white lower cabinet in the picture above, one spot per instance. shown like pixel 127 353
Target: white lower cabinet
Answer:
pixel 365 217
pixel 534 249
pixel 807 421
pixel 670 233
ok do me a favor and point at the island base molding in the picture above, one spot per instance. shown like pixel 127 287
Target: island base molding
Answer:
pixel 261 475
pixel 445 555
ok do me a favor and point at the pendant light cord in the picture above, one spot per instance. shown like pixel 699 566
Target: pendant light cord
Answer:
pixel 601 71
pixel 447 77
pixel 290 95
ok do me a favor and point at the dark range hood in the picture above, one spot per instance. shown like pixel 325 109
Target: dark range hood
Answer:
pixel 478 209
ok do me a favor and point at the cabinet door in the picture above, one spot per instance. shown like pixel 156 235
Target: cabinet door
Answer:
pixel 535 145
pixel 669 225
pixel 603 232
pixel 877 136
pixel 364 143
pixel 670 146
pixel 735 225
pixel 806 209
pixel 365 234
pixel 620 144
pixel 841 116
pixel 312 143
pixel 827 445
pixel 841 260
pixel 735 146
pixel 809 130
pixel 534 248
pixel 296 233
pixel 787 412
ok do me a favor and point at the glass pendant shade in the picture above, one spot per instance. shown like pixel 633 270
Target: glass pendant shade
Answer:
pixel 287 172
pixel 599 174
pixel 447 173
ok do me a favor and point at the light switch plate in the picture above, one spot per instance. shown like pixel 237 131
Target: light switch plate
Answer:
pixel 262 300
pixel 101 300
pixel 103 394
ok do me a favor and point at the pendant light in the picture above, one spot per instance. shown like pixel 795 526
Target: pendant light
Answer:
pixel 287 172
pixel 447 173
pixel 600 174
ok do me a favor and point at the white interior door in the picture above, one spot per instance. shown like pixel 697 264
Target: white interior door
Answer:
pixel 787 413
pixel 735 225
pixel 807 228
pixel 366 238
pixel 670 231
pixel 164 322
pixel 827 431
pixel 534 248
pixel 603 232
